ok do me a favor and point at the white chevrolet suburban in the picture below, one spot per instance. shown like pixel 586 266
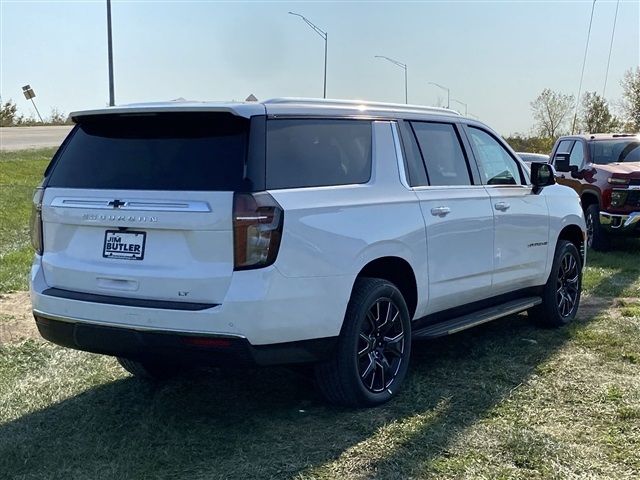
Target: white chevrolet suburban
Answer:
pixel 294 231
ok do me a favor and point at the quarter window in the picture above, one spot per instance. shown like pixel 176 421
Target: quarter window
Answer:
pixel 442 153
pixel 496 166
pixel 565 146
pixel 577 155
pixel 317 152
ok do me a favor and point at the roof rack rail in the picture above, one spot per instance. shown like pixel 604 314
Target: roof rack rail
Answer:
pixel 338 103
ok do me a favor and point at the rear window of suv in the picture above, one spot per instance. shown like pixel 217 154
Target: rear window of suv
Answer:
pixel 317 152
pixel 171 151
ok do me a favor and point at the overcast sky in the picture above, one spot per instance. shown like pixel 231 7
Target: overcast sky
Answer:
pixel 495 56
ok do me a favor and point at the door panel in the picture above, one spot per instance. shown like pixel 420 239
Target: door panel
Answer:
pixel 521 219
pixel 521 222
pixel 459 244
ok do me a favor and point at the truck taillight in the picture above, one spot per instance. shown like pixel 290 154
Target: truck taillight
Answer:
pixel 36 221
pixel 257 230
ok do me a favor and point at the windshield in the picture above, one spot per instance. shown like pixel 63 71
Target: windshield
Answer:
pixel 613 151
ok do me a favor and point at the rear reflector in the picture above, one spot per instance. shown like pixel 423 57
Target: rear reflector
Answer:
pixel 208 342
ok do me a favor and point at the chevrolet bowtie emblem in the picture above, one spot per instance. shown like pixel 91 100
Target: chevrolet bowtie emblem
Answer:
pixel 116 203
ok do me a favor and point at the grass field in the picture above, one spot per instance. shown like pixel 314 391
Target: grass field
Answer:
pixel 506 400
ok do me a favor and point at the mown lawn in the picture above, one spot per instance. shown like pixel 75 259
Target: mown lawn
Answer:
pixel 20 172
pixel 506 400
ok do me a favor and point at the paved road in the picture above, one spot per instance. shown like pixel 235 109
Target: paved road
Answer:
pixel 21 138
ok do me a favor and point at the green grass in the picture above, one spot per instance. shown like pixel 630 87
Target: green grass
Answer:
pixel 615 273
pixel 20 172
pixel 506 400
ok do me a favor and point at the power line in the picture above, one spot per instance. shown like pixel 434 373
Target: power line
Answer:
pixel 584 62
pixel 613 32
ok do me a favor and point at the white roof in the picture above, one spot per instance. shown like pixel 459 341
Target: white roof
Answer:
pixel 276 106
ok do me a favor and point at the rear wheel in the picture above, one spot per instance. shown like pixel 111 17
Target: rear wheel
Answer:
pixel 149 370
pixel 596 237
pixel 373 349
pixel 561 294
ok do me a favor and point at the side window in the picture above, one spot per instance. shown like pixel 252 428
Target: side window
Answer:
pixel 413 160
pixel 565 146
pixel 496 166
pixel 442 153
pixel 577 154
pixel 317 152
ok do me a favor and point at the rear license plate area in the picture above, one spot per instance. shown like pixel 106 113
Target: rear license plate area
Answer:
pixel 124 245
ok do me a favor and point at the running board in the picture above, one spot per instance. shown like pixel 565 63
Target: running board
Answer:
pixel 476 318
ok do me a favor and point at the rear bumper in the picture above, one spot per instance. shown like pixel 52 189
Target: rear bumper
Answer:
pixel 262 306
pixel 625 224
pixel 179 348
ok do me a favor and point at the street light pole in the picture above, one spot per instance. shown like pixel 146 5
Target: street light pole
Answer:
pixel 461 103
pixel 444 88
pixel 403 66
pixel 324 36
pixel 110 53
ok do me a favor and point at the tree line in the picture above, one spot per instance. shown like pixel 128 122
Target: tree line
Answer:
pixel 9 117
pixel 555 114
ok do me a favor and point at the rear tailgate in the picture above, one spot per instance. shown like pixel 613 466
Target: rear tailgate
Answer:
pixel 140 206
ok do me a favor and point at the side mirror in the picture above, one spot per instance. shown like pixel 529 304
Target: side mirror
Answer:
pixel 542 175
pixel 561 162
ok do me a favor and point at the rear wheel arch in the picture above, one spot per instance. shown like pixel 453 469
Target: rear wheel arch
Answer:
pixel 398 271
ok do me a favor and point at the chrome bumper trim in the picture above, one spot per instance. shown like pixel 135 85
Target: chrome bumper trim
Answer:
pixel 615 221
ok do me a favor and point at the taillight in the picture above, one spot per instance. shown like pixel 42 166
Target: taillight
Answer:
pixel 36 221
pixel 257 229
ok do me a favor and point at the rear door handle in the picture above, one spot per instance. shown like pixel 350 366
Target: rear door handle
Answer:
pixel 502 206
pixel 440 211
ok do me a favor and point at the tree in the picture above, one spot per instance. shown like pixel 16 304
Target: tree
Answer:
pixel 596 117
pixel 550 112
pixel 57 117
pixel 8 115
pixel 631 98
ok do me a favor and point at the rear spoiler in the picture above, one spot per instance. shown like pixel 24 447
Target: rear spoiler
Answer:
pixel 246 110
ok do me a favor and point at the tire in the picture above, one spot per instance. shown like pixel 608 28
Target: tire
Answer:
pixel 148 370
pixel 561 293
pixel 373 351
pixel 596 236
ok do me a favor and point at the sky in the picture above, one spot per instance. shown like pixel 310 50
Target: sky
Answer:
pixel 494 56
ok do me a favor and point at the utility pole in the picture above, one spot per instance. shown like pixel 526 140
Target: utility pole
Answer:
pixel 112 100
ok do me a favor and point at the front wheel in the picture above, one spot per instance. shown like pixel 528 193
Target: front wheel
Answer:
pixel 561 293
pixel 596 236
pixel 373 350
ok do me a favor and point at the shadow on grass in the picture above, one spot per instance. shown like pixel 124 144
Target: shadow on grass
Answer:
pixel 270 423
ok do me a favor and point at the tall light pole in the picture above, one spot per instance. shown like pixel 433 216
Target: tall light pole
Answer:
pixel 444 88
pixel 401 65
pixel 461 103
pixel 324 35
pixel 112 100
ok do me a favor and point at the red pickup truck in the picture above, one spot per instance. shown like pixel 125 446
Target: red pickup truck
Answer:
pixel 605 171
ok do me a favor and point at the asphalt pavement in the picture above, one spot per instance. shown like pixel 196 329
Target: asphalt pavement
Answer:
pixel 22 138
